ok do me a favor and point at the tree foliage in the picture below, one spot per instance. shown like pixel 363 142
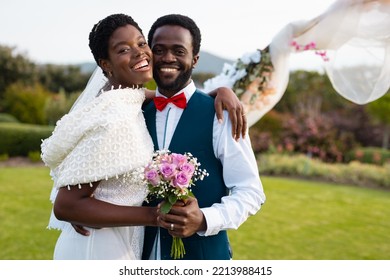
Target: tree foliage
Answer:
pixel 19 76
pixel 15 67
pixel 26 103
pixel 380 110
pixel 65 78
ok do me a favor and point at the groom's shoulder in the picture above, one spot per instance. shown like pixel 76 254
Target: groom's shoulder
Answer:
pixel 201 92
pixel 204 97
pixel 148 108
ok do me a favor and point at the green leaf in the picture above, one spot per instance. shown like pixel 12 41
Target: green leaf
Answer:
pixel 172 199
pixel 190 193
pixel 166 207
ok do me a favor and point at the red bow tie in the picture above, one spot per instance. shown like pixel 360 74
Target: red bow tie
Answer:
pixel 179 100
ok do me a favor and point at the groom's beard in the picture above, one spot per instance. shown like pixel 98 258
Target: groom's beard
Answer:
pixel 178 84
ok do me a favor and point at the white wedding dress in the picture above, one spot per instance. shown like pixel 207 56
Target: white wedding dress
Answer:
pixel 103 140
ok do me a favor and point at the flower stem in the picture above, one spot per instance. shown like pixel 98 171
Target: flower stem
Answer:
pixel 177 249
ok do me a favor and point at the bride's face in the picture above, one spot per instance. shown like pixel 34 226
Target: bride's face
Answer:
pixel 130 58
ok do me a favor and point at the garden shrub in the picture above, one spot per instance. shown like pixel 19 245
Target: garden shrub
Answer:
pixel 34 156
pixel 58 105
pixel 4 157
pixel 266 132
pixel 4 117
pixel 372 155
pixel 20 139
pixel 26 103
pixel 315 136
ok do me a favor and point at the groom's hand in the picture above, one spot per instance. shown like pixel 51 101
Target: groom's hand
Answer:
pixel 186 218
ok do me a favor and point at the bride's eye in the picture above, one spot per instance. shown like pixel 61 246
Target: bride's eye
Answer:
pixel 124 50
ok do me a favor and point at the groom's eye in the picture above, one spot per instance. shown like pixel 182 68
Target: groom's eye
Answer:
pixel 180 52
pixel 157 51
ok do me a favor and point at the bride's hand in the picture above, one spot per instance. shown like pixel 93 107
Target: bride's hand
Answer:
pixel 226 99
pixel 80 229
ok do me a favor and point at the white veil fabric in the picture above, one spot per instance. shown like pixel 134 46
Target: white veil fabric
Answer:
pixel 356 37
pixel 96 83
pixel 353 38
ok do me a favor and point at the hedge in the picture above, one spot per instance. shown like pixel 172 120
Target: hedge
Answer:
pixel 370 155
pixel 8 118
pixel 298 165
pixel 18 139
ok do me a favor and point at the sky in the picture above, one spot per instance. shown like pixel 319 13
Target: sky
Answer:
pixel 52 31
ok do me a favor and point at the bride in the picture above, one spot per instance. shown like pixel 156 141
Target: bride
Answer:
pixel 95 147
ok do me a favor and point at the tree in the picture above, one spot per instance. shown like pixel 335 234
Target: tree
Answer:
pixel 67 78
pixel 310 91
pixel 15 67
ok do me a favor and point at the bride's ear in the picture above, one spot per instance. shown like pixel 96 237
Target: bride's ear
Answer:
pixel 106 67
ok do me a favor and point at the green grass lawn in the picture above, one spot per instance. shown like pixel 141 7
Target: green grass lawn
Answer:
pixel 305 220
pixel 300 220
pixel 24 213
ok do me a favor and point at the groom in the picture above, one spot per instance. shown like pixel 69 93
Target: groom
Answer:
pixel 233 190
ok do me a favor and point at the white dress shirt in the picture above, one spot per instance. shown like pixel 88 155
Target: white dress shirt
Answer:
pixel 240 172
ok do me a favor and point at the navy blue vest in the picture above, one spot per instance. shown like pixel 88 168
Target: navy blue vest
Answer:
pixel 194 133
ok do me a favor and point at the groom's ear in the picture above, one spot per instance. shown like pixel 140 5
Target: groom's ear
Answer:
pixel 195 60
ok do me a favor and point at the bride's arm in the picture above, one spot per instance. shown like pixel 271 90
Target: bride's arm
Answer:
pixel 225 99
pixel 149 95
pixel 77 206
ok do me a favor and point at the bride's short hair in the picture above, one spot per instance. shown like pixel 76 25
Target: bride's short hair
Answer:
pixel 102 31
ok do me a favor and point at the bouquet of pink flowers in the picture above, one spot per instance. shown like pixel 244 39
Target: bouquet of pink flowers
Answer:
pixel 170 176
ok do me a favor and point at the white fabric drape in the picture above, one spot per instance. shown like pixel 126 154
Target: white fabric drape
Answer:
pixel 353 37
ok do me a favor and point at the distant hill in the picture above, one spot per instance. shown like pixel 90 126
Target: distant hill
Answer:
pixel 208 63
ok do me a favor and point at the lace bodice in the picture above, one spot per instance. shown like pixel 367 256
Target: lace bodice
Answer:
pixel 121 192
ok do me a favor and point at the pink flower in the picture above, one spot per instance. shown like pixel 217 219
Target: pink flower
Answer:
pixel 310 46
pixel 322 54
pixel 188 168
pixel 152 176
pixel 166 158
pixel 168 170
pixel 181 180
pixel 178 159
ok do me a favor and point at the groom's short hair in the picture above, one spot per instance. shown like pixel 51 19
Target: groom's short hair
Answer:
pixel 180 20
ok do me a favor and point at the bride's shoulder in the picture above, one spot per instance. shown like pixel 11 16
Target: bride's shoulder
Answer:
pixel 133 95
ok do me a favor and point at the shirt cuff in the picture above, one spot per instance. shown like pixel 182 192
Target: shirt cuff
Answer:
pixel 214 221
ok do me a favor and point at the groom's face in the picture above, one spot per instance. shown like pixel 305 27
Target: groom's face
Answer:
pixel 173 59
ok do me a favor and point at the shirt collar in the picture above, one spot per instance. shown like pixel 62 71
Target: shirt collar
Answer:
pixel 188 91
